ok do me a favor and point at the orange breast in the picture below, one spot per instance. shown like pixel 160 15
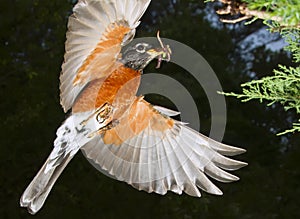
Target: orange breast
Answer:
pixel 118 89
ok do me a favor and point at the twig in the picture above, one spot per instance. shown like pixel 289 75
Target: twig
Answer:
pixel 233 7
pixel 234 21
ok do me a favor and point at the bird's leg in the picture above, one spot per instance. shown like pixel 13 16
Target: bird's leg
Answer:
pixel 98 121
pixel 109 126
pixel 102 113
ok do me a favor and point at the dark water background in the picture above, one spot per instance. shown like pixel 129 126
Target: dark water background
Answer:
pixel 31 49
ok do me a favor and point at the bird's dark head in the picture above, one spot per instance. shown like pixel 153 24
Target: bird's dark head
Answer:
pixel 139 55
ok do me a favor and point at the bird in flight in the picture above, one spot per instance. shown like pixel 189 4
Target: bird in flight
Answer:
pixel 120 133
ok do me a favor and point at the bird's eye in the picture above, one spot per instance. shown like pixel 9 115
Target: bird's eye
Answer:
pixel 141 48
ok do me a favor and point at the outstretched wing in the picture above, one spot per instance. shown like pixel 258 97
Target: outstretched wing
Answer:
pixel 97 30
pixel 155 153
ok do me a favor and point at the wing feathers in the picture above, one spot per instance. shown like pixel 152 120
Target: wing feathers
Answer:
pixel 173 163
pixel 175 159
pixel 206 185
pixel 227 163
pixel 218 174
pixel 166 111
pixel 88 26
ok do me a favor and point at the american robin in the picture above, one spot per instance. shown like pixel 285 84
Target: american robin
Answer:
pixel 120 133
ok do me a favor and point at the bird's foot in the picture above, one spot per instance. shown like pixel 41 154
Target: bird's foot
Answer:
pixel 109 126
pixel 101 114
pixel 103 118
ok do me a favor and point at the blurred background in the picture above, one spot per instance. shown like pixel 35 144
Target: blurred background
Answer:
pixel 32 47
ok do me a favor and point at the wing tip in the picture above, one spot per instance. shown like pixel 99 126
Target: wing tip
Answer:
pixel 227 149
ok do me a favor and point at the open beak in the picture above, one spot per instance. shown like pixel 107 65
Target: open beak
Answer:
pixel 162 53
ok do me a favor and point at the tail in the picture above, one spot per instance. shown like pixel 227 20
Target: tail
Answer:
pixel 38 190
pixel 75 132
pixel 65 147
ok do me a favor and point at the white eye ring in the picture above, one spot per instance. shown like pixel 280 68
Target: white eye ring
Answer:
pixel 141 47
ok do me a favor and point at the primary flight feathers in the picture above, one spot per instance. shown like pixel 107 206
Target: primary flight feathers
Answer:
pixel 162 155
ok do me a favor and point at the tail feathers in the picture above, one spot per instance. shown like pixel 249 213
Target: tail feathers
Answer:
pixel 71 135
pixel 38 190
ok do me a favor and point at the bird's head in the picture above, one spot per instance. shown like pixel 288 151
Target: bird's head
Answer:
pixel 139 55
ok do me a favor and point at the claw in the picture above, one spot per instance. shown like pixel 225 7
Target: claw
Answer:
pixel 103 116
pixel 109 126
pixel 102 113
